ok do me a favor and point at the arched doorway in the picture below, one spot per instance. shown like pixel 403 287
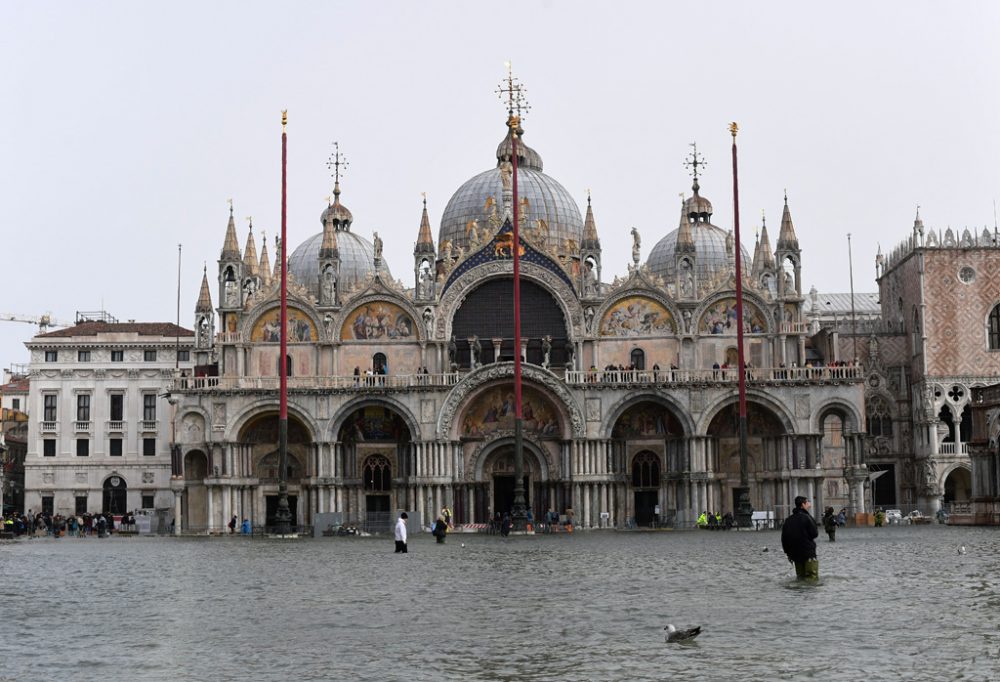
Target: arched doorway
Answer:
pixel 115 495
pixel 194 504
pixel 375 443
pixel 958 486
pixel 260 436
pixel 764 454
pixel 646 487
pixel 648 443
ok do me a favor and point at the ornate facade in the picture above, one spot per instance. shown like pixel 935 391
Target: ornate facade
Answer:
pixel 400 397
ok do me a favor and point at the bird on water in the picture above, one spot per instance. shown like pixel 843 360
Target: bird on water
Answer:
pixel 675 635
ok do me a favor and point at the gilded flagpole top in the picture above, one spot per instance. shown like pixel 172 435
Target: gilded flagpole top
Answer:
pixel 284 119
pixel 733 128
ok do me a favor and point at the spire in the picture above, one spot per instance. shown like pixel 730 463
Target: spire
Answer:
pixel 918 224
pixel 265 263
pixel 204 296
pixel 250 253
pixel 277 258
pixel 230 247
pixel 787 241
pixel 590 238
pixel 425 241
pixel 328 249
pixel 765 245
pixel 685 237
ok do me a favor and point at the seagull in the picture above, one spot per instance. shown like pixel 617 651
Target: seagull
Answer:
pixel 961 550
pixel 675 635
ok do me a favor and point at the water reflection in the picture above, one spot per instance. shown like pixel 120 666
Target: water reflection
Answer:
pixel 892 603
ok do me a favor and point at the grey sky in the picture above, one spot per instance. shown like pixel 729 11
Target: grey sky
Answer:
pixel 127 126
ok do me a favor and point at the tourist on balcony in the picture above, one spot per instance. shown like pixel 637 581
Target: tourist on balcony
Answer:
pixel 357 375
pixel 656 372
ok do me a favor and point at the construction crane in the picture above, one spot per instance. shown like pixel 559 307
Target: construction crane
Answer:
pixel 43 321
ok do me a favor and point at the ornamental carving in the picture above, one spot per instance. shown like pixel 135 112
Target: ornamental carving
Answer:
pixel 148 477
pixel 458 396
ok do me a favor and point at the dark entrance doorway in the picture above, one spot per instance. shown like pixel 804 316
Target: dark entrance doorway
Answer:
pixel 883 486
pixel 645 507
pixel 115 492
pixel 377 503
pixel 503 494
pixel 272 508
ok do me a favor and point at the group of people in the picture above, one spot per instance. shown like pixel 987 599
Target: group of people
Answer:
pixel 372 376
pixel 43 524
pixel 244 526
pixel 629 374
pixel 716 521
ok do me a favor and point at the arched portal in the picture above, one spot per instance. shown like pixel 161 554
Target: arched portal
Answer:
pixel 764 451
pixel 115 495
pixel 495 474
pixel 958 486
pixel 647 443
pixel 194 504
pixel 259 440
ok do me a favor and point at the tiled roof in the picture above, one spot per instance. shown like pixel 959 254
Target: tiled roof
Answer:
pixel 17 386
pixel 140 328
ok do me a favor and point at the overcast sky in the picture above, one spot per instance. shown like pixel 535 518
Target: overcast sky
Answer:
pixel 125 127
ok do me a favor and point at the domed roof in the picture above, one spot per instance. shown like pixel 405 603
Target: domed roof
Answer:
pixel 356 261
pixel 546 200
pixel 711 255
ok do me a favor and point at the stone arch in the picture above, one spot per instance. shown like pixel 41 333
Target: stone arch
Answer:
pixel 668 401
pixel 263 405
pixel 643 292
pixel 843 409
pixel 532 447
pixel 470 280
pixel 478 379
pixel 779 410
pixel 957 483
pixel 193 425
pixel 418 333
pixel 270 305
pixel 754 300
pixel 195 465
pixel 332 430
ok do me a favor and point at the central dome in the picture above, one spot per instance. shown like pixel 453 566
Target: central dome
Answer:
pixel 545 198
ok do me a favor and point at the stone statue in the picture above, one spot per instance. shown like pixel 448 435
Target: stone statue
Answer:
pixel 377 243
pixel 232 294
pixel 569 354
pixel 429 322
pixel 452 353
pixel 636 243
pixel 730 243
pixel 328 323
pixel 506 175
pixel 546 349
pixel 475 349
pixel 329 285
pixel 472 231
pixel 930 477
pixel 589 315
pixel 687 285
pixel 687 320
pixel 250 287
pixel 422 283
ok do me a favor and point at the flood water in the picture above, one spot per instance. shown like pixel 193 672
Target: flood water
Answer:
pixel 894 603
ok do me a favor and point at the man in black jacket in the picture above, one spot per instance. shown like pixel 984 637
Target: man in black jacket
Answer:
pixel 798 539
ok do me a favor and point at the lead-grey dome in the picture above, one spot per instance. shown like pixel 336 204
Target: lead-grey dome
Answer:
pixel 711 255
pixel 547 200
pixel 356 261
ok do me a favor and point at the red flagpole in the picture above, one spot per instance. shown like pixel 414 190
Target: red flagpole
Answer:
pixel 744 511
pixel 517 281
pixel 283 515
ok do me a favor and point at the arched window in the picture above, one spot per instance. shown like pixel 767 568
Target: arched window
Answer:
pixel 288 366
pixel 379 364
pixel 994 328
pixel 646 470
pixel 378 474
pixel 638 358
pixel 879 418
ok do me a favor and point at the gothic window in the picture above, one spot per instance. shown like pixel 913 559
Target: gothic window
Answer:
pixel 638 359
pixel 994 328
pixel 646 470
pixel 378 474
pixel 879 418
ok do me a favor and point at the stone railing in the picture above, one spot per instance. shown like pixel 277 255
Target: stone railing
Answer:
pixel 115 426
pixel 949 448
pixel 755 375
pixel 49 427
pixel 344 383
pixel 81 426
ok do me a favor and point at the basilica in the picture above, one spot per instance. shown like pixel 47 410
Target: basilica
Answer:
pixel 400 392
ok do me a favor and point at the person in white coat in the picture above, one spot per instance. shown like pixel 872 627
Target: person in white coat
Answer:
pixel 401 533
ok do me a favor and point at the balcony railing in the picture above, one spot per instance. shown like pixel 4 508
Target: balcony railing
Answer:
pixel 82 427
pixel 391 381
pixel 949 448
pixel 116 426
pixel 795 327
pixel 148 425
pixel 755 375
pixel 50 427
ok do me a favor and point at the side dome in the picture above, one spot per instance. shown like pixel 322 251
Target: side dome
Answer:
pixel 357 256
pixel 547 200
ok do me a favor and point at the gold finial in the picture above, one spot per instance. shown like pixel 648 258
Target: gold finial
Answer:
pixel 512 91
pixel 424 195
pixel 733 128
pixel 250 220
pixel 284 119
pixel 230 206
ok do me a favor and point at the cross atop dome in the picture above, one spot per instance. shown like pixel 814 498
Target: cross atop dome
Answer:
pixel 694 161
pixel 513 92
pixel 334 163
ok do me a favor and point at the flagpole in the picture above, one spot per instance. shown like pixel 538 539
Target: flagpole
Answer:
pixel 744 510
pixel 519 513
pixel 283 515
